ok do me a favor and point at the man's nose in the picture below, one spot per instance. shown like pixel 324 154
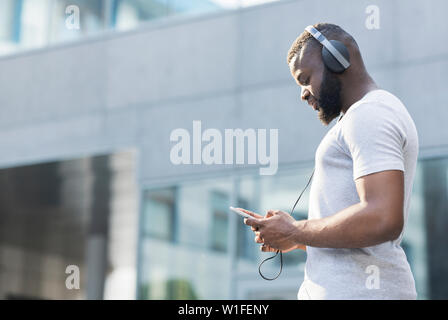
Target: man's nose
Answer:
pixel 305 94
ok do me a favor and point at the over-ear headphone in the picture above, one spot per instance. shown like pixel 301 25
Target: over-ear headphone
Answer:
pixel 334 53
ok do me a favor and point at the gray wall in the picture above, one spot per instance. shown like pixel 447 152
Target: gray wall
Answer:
pixel 227 69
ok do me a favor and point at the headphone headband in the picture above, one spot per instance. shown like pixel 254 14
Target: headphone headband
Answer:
pixel 327 44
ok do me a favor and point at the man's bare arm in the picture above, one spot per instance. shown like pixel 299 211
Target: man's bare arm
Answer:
pixel 377 218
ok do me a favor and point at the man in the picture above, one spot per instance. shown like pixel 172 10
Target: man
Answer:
pixel 361 189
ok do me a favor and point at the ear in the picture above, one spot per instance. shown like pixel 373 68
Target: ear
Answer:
pixel 330 61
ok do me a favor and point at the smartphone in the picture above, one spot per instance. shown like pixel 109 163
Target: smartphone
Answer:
pixel 241 213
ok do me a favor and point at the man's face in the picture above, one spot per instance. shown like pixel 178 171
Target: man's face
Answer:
pixel 320 87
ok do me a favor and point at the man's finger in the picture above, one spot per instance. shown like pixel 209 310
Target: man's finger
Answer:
pixel 253 214
pixel 253 222
pixel 266 248
pixel 271 213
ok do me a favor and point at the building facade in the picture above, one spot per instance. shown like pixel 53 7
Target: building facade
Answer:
pixel 106 105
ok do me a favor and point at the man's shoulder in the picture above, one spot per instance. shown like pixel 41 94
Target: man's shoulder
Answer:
pixel 376 106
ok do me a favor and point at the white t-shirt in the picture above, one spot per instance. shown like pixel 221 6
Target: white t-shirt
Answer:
pixel 375 134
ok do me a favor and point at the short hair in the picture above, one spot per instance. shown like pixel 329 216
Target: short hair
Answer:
pixel 330 31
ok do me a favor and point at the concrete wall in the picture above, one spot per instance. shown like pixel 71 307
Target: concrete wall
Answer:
pixel 227 70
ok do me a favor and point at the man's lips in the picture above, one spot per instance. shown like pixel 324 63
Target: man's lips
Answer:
pixel 313 105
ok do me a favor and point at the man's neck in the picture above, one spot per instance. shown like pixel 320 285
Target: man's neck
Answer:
pixel 356 91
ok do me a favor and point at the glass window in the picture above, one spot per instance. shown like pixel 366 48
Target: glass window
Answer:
pixel 35 23
pixel 219 203
pixel 245 237
pixel 425 239
pixel 92 19
pixel 414 241
pixel 75 212
pixel 277 192
pixel 250 3
pixel 235 4
pixel 196 265
pixel 259 194
pixel 129 13
pixel 159 214
pixel 188 267
pixel 6 19
pixel 280 193
pixel 28 24
pixel 192 6
pixel 8 26
pixel 201 222
pixel 248 198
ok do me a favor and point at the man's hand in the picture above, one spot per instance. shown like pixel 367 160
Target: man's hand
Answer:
pixel 276 231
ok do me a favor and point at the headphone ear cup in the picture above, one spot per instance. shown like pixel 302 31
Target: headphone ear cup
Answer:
pixel 330 61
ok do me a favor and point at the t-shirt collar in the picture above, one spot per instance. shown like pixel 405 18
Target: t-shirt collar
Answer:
pixel 357 102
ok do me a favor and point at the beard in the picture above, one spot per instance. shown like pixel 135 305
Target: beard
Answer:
pixel 329 101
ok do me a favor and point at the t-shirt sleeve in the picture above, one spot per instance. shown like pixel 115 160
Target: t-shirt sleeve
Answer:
pixel 372 136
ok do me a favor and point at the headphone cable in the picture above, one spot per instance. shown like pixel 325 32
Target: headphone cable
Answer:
pixel 279 251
